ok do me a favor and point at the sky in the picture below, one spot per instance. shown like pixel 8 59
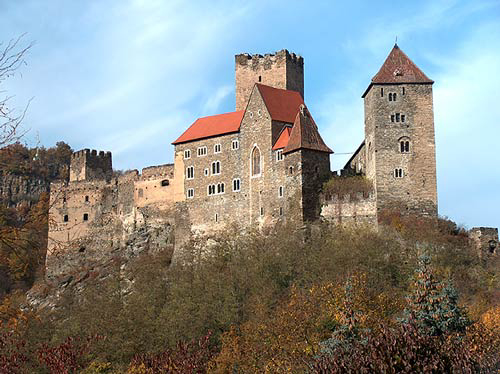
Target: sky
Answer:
pixel 130 76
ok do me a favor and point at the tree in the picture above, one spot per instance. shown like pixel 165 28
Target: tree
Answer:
pixel 11 58
pixel 434 305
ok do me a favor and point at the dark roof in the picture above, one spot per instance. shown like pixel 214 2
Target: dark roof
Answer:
pixel 207 127
pixel 305 134
pixel 282 105
pixel 397 69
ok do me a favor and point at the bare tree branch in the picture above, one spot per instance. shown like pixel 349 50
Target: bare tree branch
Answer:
pixel 11 58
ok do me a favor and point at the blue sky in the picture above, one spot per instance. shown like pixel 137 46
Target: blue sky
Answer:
pixel 129 76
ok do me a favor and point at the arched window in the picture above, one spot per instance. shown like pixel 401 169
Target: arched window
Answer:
pixel 404 145
pixel 255 161
pixel 393 97
pixel 390 97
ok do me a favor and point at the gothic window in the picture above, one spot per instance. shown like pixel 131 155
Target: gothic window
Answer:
pixel 190 172
pixel 398 173
pixel 235 144
pixel 217 148
pixel 216 168
pixel 190 193
pixel 255 162
pixel 236 185
pixel 85 216
pixel 187 154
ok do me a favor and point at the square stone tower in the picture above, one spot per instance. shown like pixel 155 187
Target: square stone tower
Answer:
pixel 399 136
pixel 280 70
pixel 89 164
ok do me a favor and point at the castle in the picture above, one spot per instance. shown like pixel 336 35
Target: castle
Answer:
pixel 260 164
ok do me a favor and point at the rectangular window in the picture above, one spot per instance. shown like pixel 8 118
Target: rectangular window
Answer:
pixel 402 118
pixel 190 193
pixel 66 218
pixel 206 172
pixel 281 210
pixel 217 148
pixel 202 151
pixel 281 191
pixel 398 173
pixel 235 144
pixel 187 154
pixel 236 185
pixel 392 117
pixel 397 117
pixel 403 90
pixel 85 216
pixel 279 155
pixel 216 168
pixel 381 91
pixel 261 211
pixel 190 172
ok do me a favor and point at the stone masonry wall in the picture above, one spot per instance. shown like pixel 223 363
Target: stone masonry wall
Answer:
pixel 347 210
pixel 416 191
pixel 89 164
pixel 485 240
pixel 281 70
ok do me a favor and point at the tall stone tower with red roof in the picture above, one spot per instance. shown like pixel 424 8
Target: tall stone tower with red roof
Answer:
pixel 399 136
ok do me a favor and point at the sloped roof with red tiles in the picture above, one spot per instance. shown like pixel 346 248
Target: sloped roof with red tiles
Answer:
pixel 305 134
pixel 398 68
pixel 282 141
pixel 281 104
pixel 207 127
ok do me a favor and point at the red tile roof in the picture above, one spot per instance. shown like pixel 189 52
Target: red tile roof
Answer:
pixel 281 104
pixel 305 134
pixel 398 68
pixel 207 127
pixel 283 138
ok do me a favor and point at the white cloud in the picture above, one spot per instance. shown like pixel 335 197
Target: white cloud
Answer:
pixel 215 99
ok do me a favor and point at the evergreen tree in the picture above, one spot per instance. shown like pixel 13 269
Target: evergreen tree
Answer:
pixel 433 306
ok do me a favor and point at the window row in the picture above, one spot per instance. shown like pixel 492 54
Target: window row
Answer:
pixel 85 217
pixel 398 117
pixel 215 167
pixel 203 151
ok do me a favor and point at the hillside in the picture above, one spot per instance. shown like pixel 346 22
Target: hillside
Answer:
pixel 315 299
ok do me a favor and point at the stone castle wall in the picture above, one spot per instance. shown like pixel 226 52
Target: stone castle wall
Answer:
pixel 89 164
pixel 348 210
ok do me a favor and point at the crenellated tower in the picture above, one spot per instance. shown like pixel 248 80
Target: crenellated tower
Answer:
pixel 399 136
pixel 89 164
pixel 280 70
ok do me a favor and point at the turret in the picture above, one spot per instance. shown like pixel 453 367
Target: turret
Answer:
pixel 89 164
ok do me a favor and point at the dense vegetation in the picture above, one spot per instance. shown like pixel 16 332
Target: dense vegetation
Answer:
pixel 319 300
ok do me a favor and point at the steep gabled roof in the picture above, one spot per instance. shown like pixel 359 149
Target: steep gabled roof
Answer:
pixel 305 134
pixel 283 138
pixel 398 68
pixel 281 104
pixel 207 127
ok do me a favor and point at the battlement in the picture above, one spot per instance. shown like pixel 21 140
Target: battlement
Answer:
pixel 281 69
pixel 268 58
pixel 89 164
